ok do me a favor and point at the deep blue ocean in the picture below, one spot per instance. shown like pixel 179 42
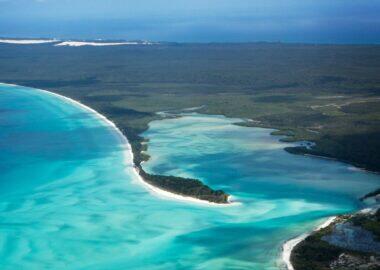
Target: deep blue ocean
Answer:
pixel 69 198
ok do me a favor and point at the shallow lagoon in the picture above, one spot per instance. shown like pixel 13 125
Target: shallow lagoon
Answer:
pixel 69 201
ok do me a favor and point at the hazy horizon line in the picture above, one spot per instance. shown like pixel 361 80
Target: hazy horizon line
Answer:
pixel 158 42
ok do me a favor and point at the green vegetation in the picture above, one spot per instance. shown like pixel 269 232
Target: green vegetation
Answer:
pixel 316 254
pixel 371 194
pixel 370 223
pixel 185 186
pixel 328 94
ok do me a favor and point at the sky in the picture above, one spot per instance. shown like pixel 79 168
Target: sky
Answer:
pixel 317 21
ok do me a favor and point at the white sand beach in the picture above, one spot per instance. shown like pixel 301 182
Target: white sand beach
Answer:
pixel 289 245
pixel 128 154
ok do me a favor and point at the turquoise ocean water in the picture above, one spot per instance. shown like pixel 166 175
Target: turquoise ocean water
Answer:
pixel 69 198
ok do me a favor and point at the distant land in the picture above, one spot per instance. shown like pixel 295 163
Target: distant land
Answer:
pixel 73 42
pixel 327 94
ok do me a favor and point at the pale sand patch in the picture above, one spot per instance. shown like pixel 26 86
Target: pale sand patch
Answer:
pixel 27 41
pixel 84 43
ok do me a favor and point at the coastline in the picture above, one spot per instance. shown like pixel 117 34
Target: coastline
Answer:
pixel 352 165
pixel 289 245
pixel 163 194
pixel 128 154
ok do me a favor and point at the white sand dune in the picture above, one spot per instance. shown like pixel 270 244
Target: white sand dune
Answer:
pixel 85 43
pixel 72 43
pixel 27 41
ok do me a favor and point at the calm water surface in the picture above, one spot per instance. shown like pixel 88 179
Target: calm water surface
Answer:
pixel 69 201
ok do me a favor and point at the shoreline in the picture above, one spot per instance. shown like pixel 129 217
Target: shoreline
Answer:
pixel 163 194
pixel 350 165
pixel 289 245
pixel 160 193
